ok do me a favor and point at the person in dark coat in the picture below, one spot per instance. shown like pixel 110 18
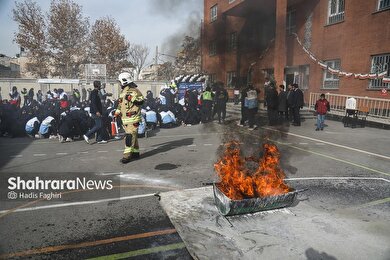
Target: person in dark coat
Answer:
pixel 290 98
pixel 282 104
pixel 221 98
pixel 297 104
pixel 96 111
pixel 271 98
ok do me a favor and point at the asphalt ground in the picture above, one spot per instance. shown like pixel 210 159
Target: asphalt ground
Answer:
pixel 128 221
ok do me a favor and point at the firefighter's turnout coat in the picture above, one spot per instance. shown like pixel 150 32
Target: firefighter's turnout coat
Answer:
pixel 129 108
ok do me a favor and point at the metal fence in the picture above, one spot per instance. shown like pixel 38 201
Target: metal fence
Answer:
pixel 379 109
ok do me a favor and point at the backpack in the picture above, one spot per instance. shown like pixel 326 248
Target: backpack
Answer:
pixel 251 99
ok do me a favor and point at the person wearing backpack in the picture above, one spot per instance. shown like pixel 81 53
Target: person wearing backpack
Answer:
pixel 322 106
pixel 251 104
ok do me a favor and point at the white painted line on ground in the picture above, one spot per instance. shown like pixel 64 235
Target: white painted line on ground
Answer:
pixel 16 156
pixel 207 144
pixel 320 144
pixel 191 145
pixel 337 178
pixel 83 152
pixel 109 173
pixel 119 150
pixel 325 142
pixel 80 203
pixel 102 151
pixel 303 143
pixel 184 135
pixel 39 154
pixel 61 153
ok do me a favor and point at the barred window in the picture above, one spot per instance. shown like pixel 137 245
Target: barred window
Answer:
pixel 383 4
pixel 232 41
pixel 380 64
pixel 213 13
pixel 212 78
pixel 331 81
pixel 336 11
pixel 291 26
pixel 229 78
pixel 213 48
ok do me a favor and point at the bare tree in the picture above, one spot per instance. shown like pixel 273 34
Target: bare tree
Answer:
pixel 188 58
pixel 137 56
pixel 68 33
pixel 31 36
pixel 166 71
pixel 109 46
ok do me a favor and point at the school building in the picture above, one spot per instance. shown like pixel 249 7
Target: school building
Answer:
pixel 326 46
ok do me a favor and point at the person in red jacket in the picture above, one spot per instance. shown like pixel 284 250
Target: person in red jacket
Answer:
pixel 322 107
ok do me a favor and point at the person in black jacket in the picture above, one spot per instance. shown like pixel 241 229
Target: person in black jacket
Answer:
pixel 221 98
pixel 96 111
pixel 297 104
pixel 271 98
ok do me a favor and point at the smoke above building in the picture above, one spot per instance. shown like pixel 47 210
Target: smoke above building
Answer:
pixel 190 10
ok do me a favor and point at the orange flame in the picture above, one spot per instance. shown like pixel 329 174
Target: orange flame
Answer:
pixel 238 182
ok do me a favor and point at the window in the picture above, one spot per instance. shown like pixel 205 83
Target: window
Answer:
pixel 380 64
pixel 336 11
pixel 383 4
pixel 212 78
pixel 212 48
pixel 213 13
pixel 291 26
pixel 231 1
pixel 232 41
pixel 331 81
pixel 229 78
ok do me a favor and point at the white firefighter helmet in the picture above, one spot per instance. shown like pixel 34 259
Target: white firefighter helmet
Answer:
pixel 125 78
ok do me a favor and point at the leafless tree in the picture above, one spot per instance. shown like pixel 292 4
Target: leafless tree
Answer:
pixel 188 58
pixel 31 36
pixel 109 46
pixel 166 71
pixel 68 33
pixel 137 56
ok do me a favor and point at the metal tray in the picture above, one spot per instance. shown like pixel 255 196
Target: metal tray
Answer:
pixel 229 207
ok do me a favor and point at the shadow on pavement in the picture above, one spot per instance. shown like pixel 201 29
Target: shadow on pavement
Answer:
pixel 164 147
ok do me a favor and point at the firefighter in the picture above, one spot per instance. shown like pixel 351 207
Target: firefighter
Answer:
pixel 129 109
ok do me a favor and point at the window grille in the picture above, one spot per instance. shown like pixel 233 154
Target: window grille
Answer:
pixel 336 11
pixel 213 13
pixel 212 48
pixel 229 78
pixel 380 64
pixel 232 41
pixel 291 26
pixel 383 4
pixel 331 81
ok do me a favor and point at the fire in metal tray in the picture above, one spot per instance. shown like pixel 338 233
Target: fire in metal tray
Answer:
pixel 243 189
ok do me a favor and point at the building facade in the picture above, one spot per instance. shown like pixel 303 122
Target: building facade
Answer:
pixel 326 46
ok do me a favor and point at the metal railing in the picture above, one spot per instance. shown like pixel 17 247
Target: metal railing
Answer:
pixel 379 108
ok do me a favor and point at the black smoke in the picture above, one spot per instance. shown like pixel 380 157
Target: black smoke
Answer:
pixel 191 10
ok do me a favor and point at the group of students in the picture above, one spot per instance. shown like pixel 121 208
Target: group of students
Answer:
pixel 58 115
pixel 167 110
pixel 282 105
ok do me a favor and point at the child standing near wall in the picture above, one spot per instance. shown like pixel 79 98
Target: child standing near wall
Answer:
pixel 322 107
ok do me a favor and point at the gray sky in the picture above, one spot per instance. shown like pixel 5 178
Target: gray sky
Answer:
pixel 153 23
